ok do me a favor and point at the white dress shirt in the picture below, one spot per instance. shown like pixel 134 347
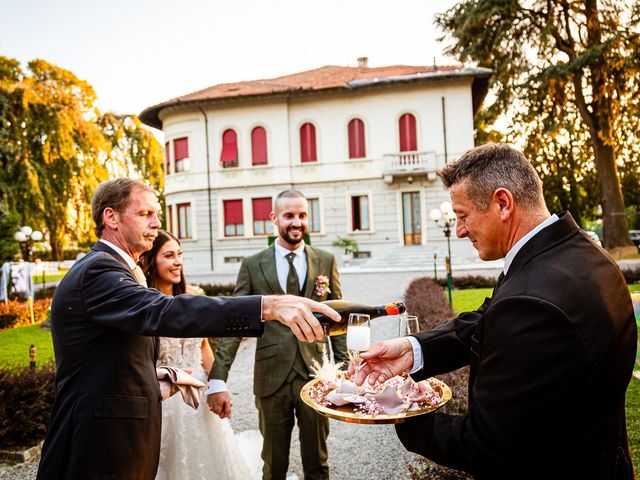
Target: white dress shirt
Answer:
pixel 418 360
pixel 282 265
pixel 127 258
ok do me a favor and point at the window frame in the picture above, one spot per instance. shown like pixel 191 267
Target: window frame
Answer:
pixel 369 217
pixel 188 221
pixel 408 133
pixel 238 228
pixel 181 165
pixel 258 150
pixel 311 220
pixel 267 226
pixel 167 158
pixel 169 223
pixel 308 143
pixel 229 148
pixel 356 138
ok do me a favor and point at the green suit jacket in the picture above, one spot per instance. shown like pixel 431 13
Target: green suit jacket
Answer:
pixel 276 350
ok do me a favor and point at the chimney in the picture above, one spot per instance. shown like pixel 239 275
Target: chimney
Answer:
pixel 363 62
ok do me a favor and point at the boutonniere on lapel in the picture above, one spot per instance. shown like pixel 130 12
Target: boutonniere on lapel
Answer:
pixel 322 285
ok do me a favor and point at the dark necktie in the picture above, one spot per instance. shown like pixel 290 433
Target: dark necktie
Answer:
pixel 292 278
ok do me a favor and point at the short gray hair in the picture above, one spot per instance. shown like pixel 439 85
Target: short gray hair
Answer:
pixel 491 166
pixel 113 194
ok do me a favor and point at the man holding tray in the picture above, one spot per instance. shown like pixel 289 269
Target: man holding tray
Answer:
pixel 550 354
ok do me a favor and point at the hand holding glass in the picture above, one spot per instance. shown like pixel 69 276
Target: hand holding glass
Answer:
pixel 358 337
pixel 408 325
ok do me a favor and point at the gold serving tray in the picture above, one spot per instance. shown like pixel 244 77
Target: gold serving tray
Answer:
pixel 346 413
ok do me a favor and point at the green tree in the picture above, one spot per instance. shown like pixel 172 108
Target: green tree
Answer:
pixel 9 225
pixel 55 147
pixel 133 150
pixel 551 56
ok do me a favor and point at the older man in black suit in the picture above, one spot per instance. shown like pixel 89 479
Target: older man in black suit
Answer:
pixel 550 354
pixel 106 418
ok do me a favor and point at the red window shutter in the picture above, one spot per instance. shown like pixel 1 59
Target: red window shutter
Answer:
pixel 259 146
pixel 181 148
pixel 356 139
pixel 232 212
pixel 408 142
pixel 229 147
pixel 308 143
pixel 261 208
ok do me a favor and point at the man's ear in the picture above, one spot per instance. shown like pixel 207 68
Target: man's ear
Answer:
pixel 504 200
pixel 110 218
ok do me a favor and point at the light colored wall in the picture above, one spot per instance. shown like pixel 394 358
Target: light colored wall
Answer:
pixel 333 178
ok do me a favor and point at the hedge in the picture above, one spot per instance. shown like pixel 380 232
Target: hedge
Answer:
pixel 26 402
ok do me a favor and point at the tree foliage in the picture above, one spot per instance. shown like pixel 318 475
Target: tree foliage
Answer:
pixel 567 73
pixel 55 147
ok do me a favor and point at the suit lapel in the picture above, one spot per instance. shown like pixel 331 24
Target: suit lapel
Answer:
pixel 268 268
pixel 546 239
pixel 313 267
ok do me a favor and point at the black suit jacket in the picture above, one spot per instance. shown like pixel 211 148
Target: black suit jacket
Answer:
pixel 550 355
pixel 106 418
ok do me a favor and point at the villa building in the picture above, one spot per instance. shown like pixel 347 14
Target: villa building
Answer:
pixel 363 144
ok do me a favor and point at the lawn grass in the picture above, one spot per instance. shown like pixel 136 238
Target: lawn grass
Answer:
pixel 632 407
pixel 15 343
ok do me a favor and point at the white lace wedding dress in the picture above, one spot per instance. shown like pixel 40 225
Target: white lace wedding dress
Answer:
pixel 196 444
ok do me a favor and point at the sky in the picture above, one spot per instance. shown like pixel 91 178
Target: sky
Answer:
pixel 137 53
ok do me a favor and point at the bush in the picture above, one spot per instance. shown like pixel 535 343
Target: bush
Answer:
pixel 469 281
pixel 16 313
pixel 426 299
pixel 71 254
pixel 26 402
pixel 46 292
pixel 632 274
pixel 218 289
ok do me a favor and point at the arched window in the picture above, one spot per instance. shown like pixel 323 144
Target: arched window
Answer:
pixel 229 154
pixel 408 141
pixel 259 146
pixel 308 143
pixel 356 139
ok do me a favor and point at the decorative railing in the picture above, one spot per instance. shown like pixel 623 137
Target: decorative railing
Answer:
pixel 412 162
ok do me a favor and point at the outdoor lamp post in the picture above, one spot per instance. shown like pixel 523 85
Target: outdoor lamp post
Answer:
pixel 26 236
pixel 445 219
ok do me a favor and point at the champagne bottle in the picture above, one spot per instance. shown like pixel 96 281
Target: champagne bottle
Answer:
pixel 345 308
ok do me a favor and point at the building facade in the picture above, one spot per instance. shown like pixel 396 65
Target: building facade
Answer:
pixel 363 144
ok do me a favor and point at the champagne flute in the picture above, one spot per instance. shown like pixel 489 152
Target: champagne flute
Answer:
pixel 409 325
pixel 358 337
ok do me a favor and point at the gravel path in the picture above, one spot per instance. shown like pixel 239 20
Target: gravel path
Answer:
pixel 355 451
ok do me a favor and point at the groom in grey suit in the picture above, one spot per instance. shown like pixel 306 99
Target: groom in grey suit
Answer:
pixel 282 363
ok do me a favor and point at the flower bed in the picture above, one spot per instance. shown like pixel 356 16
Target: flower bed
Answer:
pixel 16 313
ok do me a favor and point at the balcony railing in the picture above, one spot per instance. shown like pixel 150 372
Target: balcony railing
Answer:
pixel 411 162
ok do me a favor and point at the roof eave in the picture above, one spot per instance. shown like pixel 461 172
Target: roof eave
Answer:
pixel 151 115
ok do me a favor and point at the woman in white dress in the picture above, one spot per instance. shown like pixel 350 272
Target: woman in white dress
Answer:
pixel 196 444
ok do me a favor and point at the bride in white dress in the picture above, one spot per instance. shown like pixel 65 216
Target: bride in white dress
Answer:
pixel 196 444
